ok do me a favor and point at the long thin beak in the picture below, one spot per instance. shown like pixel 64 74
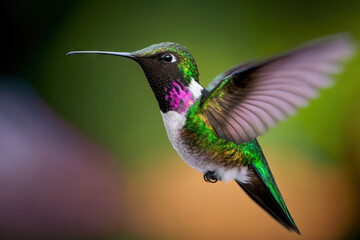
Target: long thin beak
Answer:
pixel 121 54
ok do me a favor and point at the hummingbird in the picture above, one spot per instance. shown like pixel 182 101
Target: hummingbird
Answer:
pixel 215 129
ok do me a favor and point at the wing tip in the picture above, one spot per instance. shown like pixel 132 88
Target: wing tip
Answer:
pixel 343 40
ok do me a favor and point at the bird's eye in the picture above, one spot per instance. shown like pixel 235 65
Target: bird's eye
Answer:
pixel 169 58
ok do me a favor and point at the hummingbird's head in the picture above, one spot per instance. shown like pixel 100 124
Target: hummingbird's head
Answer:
pixel 169 68
pixel 167 61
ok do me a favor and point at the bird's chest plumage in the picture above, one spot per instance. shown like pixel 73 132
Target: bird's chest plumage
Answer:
pixel 197 157
pixel 174 123
pixel 188 144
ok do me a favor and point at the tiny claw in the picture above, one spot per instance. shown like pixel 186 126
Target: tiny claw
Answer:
pixel 210 177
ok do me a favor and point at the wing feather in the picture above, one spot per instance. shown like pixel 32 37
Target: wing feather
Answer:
pixel 245 101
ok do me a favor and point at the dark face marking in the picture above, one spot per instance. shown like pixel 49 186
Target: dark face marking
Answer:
pixel 160 73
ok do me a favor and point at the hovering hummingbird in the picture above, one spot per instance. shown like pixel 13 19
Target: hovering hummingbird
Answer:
pixel 214 129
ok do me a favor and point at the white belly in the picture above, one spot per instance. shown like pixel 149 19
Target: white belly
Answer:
pixel 174 122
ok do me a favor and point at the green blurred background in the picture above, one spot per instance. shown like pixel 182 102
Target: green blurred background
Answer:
pixel 315 156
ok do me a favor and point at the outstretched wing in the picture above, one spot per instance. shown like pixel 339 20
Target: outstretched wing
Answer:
pixel 255 97
pixel 219 78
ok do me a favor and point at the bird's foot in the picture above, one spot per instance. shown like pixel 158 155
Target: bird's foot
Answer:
pixel 211 177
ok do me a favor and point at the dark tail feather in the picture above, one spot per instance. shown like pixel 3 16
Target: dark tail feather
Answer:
pixel 261 194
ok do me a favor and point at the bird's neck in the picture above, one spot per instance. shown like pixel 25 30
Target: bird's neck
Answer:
pixel 181 97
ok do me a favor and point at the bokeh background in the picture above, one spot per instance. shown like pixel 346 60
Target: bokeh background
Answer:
pixel 83 150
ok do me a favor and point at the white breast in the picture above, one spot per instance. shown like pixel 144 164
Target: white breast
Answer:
pixel 174 122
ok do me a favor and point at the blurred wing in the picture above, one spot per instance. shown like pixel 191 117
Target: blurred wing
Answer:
pixel 219 78
pixel 255 97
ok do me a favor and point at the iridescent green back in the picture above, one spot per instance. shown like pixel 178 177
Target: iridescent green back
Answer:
pixel 244 154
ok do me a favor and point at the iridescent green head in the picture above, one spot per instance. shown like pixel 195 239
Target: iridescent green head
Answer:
pixel 164 64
